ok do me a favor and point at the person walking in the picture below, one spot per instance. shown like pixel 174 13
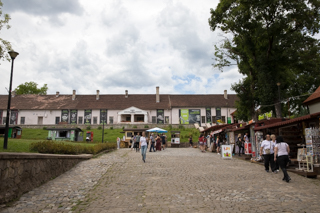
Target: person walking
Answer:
pixel 118 143
pixel 137 142
pixel 276 164
pixel 218 144
pixel 133 140
pixel 158 143
pixel 201 139
pixel 190 141
pixel 267 150
pixel 143 145
pixel 152 143
pixel 163 140
pixel 282 150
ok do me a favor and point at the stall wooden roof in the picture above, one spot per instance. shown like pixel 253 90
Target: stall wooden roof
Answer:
pixel 314 97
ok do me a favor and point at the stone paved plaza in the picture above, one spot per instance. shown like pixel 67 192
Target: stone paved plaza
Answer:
pixel 173 180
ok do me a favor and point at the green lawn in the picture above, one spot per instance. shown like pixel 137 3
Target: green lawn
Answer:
pixel 110 135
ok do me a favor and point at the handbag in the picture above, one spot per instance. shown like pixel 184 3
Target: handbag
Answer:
pixel 267 151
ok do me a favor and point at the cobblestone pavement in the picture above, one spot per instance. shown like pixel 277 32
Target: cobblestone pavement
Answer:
pixel 173 180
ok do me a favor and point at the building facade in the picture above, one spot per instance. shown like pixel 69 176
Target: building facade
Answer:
pixel 118 109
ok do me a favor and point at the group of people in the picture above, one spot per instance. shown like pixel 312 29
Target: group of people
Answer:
pixel 157 142
pixel 240 142
pixel 204 143
pixel 275 153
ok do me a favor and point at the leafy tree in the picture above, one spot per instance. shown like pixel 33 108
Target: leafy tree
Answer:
pixel 5 46
pixel 31 88
pixel 272 41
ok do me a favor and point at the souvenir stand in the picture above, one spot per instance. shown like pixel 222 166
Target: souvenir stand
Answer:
pixel 311 153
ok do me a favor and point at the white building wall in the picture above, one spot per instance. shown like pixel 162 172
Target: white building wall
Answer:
pixel 114 114
pixel 313 108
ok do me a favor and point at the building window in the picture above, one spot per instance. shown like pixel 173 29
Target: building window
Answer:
pixel 223 119
pixel 57 120
pixel 22 120
pixel 203 119
pixel 154 119
pixel 80 120
pixel 95 120
pixel 111 120
pixel 166 119
pixel 214 119
pixel 4 120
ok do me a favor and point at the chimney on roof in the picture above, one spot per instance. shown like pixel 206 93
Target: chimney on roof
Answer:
pixel 97 98
pixel 157 94
pixel 13 93
pixel 74 95
pixel 126 94
pixel 225 94
pixel 57 94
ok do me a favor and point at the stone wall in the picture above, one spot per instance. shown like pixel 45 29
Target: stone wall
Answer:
pixel 21 172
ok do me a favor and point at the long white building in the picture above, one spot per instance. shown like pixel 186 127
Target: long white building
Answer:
pixel 118 109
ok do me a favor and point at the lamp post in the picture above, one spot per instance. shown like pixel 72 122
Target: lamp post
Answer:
pixel 13 55
pixel 278 84
pixel 104 119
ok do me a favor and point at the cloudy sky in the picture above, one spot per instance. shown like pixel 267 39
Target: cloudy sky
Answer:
pixel 113 46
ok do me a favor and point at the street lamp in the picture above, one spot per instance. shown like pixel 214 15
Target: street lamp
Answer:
pixel 13 55
pixel 278 84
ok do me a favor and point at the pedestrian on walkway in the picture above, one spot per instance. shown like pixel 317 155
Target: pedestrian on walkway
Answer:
pixel 282 150
pixel 133 140
pixel 158 143
pixel 190 141
pixel 143 145
pixel 267 150
pixel 118 143
pixel 137 142
pixel 201 139
pixel 152 143
pixel 276 164
pixel 163 140
pixel 218 144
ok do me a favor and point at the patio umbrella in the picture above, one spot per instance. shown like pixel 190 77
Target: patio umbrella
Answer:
pixel 157 129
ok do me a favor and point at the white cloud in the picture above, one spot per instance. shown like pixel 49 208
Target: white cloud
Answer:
pixel 113 46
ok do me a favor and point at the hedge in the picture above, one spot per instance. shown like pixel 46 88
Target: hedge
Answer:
pixel 61 148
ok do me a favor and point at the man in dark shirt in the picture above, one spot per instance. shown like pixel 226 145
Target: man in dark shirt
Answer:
pixel 163 138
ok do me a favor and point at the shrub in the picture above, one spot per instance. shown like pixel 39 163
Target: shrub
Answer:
pixel 123 127
pixel 111 127
pixel 88 127
pixel 134 127
pixel 44 128
pixel 170 126
pixel 61 148
pixel 99 127
pixel 181 127
pixel 146 126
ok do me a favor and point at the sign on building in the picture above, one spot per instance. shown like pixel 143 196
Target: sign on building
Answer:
pixel 64 115
pixel 14 117
pixel 208 114
pixel 103 116
pixel 87 116
pixel 189 116
pixel 160 116
pixel 73 116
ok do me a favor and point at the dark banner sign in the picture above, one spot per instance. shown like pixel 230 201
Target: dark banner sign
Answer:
pixel 14 117
pixel 208 114
pixel 160 116
pixel 218 113
pixel 1 117
pixel 189 116
pixel 87 116
pixel 64 115
pixel 103 116
pixel 73 116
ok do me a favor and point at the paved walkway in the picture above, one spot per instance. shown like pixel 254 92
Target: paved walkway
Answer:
pixel 174 180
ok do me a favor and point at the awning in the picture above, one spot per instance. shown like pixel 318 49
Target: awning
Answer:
pixel 283 123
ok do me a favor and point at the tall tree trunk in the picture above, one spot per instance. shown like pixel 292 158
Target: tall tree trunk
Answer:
pixel 278 109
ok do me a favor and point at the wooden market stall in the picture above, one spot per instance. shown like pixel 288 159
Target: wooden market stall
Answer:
pixel 13 131
pixel 65 134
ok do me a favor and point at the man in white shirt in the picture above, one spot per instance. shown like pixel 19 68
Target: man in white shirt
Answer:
pixel 267 150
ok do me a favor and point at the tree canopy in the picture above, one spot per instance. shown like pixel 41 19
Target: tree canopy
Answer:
pixel 272 41
pixel 31 88
pixel 5 46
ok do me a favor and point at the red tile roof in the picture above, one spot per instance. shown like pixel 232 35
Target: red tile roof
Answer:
pixel 314 96
pixel 283 123
pixel 115 102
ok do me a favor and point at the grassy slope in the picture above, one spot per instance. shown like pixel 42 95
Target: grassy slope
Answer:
pixel 36 135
